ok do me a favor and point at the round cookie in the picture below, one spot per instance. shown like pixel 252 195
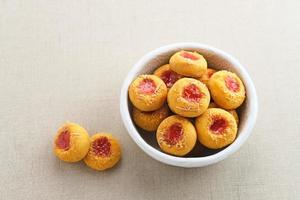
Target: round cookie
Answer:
pixel 206 76
pixel 227 89
pixel 147 92
pixel 149 121
pixel 216 128
pixel 233 112
pixel 188 63
pixel 188 97
pixel 71 143
pixel 104 152
pixel 176 135
pixel 167 75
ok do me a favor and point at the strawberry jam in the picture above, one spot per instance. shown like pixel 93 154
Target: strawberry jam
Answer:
pixel 232 84
pixel 147 86
pixel 188 55
pixel 169 77
pixel 218 126
pixel 63 140
pixel 192 93
pixel 174 134
pixel 101 147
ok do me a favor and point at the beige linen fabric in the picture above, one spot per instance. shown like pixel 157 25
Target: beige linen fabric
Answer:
pixel 66 60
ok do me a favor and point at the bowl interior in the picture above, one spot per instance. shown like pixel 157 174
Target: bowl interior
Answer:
pixel 216 60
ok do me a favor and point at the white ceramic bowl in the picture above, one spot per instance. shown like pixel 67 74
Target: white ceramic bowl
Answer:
pixel 219 60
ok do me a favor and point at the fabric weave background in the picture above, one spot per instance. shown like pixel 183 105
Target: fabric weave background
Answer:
pixel 66 60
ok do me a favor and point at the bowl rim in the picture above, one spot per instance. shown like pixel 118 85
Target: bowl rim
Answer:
pixel 190 161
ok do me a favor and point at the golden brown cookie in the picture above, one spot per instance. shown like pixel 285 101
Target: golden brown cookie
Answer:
pixel 216 128
pixel 104 152
pixel 167 75
pixel 176 135
pixel 227 89
pixel 148 92
pixel 188 63
pixel 149 121
pixel 71 142
pixel 188 97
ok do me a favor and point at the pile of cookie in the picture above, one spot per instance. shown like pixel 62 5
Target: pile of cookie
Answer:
pixel 186 100
pixel 72 143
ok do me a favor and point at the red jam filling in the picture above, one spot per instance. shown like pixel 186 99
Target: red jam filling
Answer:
pixel 174 134
pixel 232 84
pixel 189 55
pixel 147 86
pixel 192 93
pixel 63 140
pixel 218 126
pixel 101 147
pixel 169 77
